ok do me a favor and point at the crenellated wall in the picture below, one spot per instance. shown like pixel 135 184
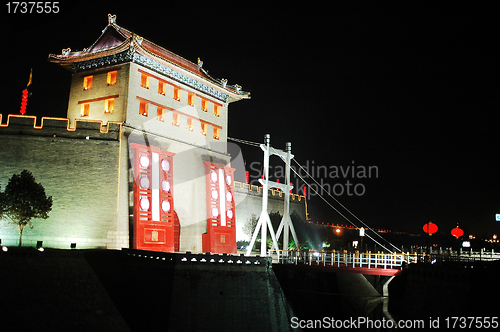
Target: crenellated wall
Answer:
pixel 79 168
pixel 49 126
pixel 248 200
pixel 86 169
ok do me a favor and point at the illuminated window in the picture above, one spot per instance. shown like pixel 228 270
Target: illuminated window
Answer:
pixel 160 114
pixel 85 109
pixel 204 105
pixel 177 93
pixel 111 78
pixel 189 125
pixel 143 108
pixel 216 110
pixel 145 81
pixel 216 132
pixel 190 99
pixel 162 88
pixel 87 82
pixel 204 129
pixel 109 105
pixel 176 119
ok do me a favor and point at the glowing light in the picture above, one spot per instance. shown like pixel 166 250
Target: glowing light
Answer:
pixel 144 161
pixel 5 249
pixel 229 214
pixel 144 182
pixel 177 93
pixel 87 82
pixel 165 206
pixel 215 194
pixel 213 176
pixel 109 105
pixel 24 101
pixel 222 202
pixel 457 232
pixel 165 165
pixel 144 203
pixel 229 196
pixel 111 79
pixel 165 186
pixel 229 180
pixel 215 212
pixel 430 228
pixel 155 194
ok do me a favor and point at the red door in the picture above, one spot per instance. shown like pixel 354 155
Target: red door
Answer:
pixel 221 226
pixel 156 225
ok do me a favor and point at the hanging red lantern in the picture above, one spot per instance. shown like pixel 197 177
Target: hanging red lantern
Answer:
pixel 457 232
pixel 430 228
pixel 24 101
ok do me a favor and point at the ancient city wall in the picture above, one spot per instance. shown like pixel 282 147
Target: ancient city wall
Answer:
pixel 248 200
pixel 79 168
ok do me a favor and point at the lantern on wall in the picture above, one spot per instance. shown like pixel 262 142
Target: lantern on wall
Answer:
pixel 457 232
pixel 430 228
pixel 24 101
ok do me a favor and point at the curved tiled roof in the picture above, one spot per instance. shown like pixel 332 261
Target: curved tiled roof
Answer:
pixel 115 39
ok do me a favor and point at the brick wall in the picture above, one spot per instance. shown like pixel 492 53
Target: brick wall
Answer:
pixel 80 174
pixel 91 183
pixel 94 96
pixel 248 200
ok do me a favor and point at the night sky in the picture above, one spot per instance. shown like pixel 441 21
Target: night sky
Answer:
pixel 411 90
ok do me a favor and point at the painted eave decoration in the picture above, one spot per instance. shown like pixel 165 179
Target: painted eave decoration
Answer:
pixel 117 45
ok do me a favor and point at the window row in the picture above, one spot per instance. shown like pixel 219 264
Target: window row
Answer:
pixel 176 119
pixel 162 89
pixel 109 105
pixel 110 80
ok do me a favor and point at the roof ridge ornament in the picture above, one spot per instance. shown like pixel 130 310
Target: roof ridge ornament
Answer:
pixel 223 82
pixel 200 63
pixel 111 19
pixel 65 51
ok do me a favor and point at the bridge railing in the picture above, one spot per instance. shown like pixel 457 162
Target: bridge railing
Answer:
pixel 440 256
pixel 380 260
pixel 344 258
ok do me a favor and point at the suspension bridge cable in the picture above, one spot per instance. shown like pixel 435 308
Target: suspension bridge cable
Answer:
pixel 336 210
pixel 243 141
pixel 338 202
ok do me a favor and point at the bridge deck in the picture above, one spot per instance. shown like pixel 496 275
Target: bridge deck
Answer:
pixel 349 269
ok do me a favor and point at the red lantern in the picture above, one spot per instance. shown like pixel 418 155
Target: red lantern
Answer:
pixel 24 101
pixel 430 228
pixel 457 232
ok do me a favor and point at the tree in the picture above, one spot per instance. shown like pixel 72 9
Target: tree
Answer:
pixel 23 200
pixel 250 225
pixel 2 203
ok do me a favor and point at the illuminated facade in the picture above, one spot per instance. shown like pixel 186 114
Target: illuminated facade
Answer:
pixel 141 160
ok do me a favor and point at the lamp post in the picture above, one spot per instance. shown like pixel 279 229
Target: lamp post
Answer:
pixel 430 228
pixel 361 235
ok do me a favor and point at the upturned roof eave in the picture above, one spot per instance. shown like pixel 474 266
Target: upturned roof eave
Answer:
pixel 142 46
pixel 233 94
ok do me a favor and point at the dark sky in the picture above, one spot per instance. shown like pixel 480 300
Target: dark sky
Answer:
pixel 411 90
